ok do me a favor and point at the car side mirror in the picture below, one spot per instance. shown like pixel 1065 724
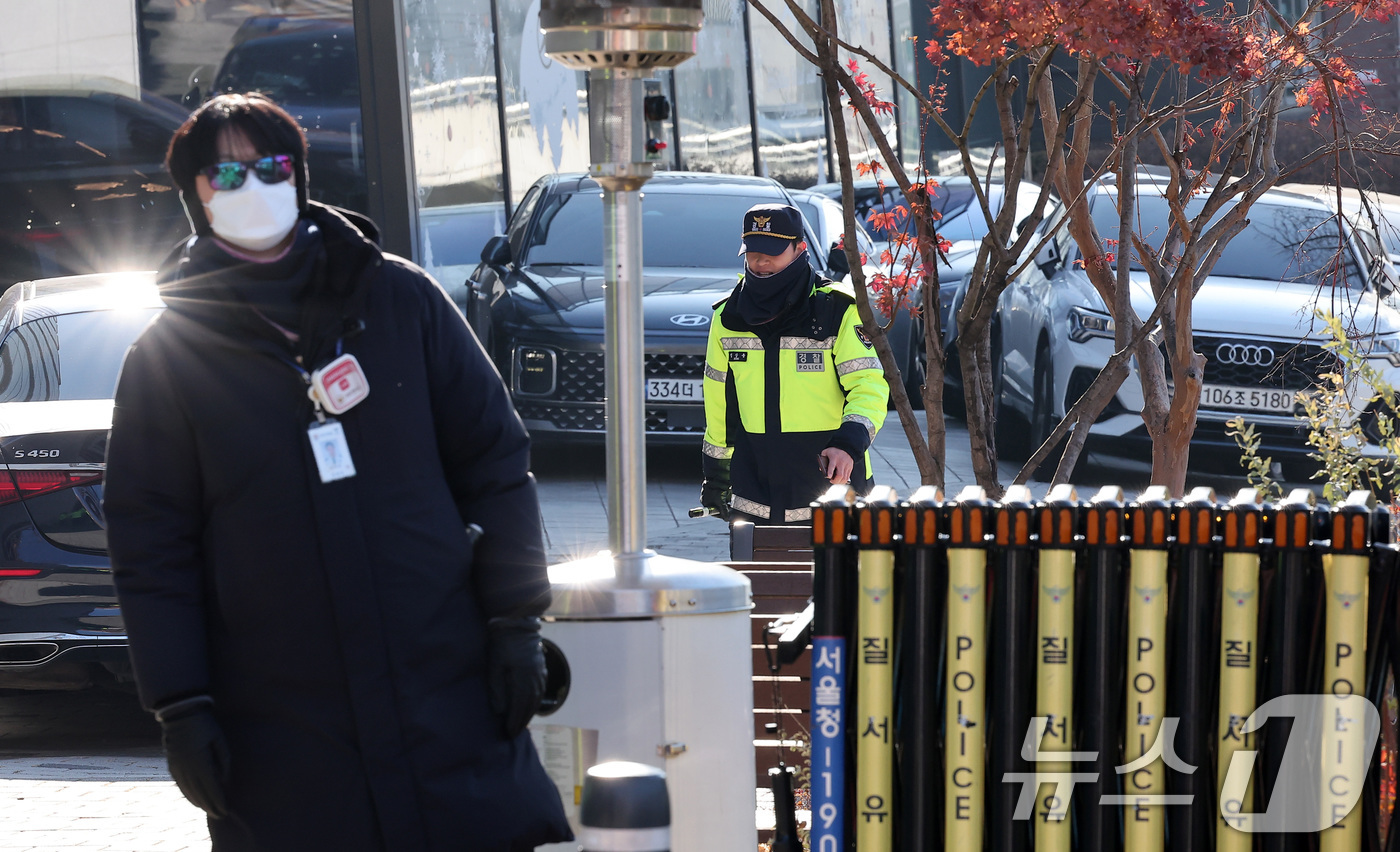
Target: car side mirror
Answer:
pixel 496 252
pixel 837 263
pixel 1048 258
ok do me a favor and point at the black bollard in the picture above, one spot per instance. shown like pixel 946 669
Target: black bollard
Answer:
pixel 1010 666
pixel 785 838
pixel 831 630
pixel 624 808
pixel 1099 668
pixel 1346 578
pixel 1242 526
pixel 1380 654
pixel 1144 779
pixel 921 606
pixel 1288 632
pixel 1056 654
pixel 1194 656
pixel 965 672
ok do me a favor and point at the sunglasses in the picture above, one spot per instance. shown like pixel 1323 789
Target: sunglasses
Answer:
pixel 231 175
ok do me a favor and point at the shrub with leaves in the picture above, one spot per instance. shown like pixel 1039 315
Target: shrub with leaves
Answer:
pixel 1351 405
pixel 1258 469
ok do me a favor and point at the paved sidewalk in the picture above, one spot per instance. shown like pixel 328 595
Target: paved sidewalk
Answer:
pixel 574 492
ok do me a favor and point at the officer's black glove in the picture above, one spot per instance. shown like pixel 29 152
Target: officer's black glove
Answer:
pixel 515 671
pixel 715 497
pixel 714 488
pixel 196 751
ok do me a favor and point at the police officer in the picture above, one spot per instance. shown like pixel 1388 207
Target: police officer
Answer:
pixel 793 391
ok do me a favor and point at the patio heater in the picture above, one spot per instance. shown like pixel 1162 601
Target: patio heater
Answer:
pixel 652 652
pixel 619 45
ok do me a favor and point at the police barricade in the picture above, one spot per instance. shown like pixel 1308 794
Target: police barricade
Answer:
pixel 1095 674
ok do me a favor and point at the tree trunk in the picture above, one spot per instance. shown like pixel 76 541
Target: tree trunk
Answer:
pixel 1095 400
pixel 975 349
pixel 1170 462
pixel 930 469
pixel 933 386
pixel 1170 453
pixel 931 310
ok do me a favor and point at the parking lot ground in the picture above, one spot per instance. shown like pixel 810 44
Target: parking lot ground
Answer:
pixel 83 771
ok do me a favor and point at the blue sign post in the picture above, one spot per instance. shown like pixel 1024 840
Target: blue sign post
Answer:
pixel 828 743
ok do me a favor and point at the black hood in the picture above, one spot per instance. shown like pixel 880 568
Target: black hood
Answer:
pixel 194 281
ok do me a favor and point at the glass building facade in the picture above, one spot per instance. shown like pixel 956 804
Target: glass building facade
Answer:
pixel 486 113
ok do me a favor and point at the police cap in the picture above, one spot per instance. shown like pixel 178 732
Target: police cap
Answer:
pixel 771 228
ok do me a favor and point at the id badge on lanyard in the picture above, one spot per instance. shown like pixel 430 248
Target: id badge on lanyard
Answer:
pixel 337 387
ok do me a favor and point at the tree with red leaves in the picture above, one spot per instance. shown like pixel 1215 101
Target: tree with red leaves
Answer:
pixel 1108 86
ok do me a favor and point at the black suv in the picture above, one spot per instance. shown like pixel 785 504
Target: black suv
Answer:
pixel 536 300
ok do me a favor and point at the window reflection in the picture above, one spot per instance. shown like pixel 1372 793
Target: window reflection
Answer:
pixel 68 356
pixel 866 23
pixel 456 135
pixel 1290 245
pixel 301 53
pixel 788 96
pixel 82 185
pixel 546 103
pixel 910 120
pixel 712 96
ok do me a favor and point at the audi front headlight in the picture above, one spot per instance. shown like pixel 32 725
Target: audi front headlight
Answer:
pixel 1086 324
pixel 1387 347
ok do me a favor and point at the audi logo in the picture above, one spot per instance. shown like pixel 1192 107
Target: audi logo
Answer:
pixel 689 320
pixel 1245 354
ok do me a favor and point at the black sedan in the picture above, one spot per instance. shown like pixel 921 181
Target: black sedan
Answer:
pixel 62 342
pixel 536 300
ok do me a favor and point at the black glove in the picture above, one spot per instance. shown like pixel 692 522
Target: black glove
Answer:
pixel 715 496
pixel 515 671
pixel 196 751
pixel 714 488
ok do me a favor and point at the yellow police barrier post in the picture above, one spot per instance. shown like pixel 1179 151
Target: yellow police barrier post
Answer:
pixel 965 718
pixel 875 528
pixel 1144 823
pixel 1345 570
pixel 1058 523
pixel 1239 649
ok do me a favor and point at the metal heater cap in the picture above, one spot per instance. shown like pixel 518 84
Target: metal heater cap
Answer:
pixel 587 34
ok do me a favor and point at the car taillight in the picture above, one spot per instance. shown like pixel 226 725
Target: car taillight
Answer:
pixel 19 484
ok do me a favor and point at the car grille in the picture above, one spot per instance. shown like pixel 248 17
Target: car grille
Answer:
pixel 581 375
pixel 1295 366
pixel 591 418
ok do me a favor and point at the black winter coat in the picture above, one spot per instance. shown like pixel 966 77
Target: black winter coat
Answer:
pixel 339 628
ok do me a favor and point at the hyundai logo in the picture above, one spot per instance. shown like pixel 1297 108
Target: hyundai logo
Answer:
pixel 1245 354
pixel 690 320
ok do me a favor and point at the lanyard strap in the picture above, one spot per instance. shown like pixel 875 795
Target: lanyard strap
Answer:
pixel 306 376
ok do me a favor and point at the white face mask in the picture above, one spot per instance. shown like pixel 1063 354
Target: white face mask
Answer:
pixel 257 215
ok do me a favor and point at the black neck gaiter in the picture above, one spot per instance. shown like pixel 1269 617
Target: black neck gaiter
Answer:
pixel 762 299
pixel 274 288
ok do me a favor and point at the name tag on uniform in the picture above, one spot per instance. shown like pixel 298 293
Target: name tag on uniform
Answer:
pixel 340 385
pixel 809 362
pixel 332 452
pixel 738 356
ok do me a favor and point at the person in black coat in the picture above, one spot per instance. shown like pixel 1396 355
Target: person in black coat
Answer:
pixel 335 662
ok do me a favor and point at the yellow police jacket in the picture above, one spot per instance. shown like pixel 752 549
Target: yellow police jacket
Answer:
pixel 776 397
